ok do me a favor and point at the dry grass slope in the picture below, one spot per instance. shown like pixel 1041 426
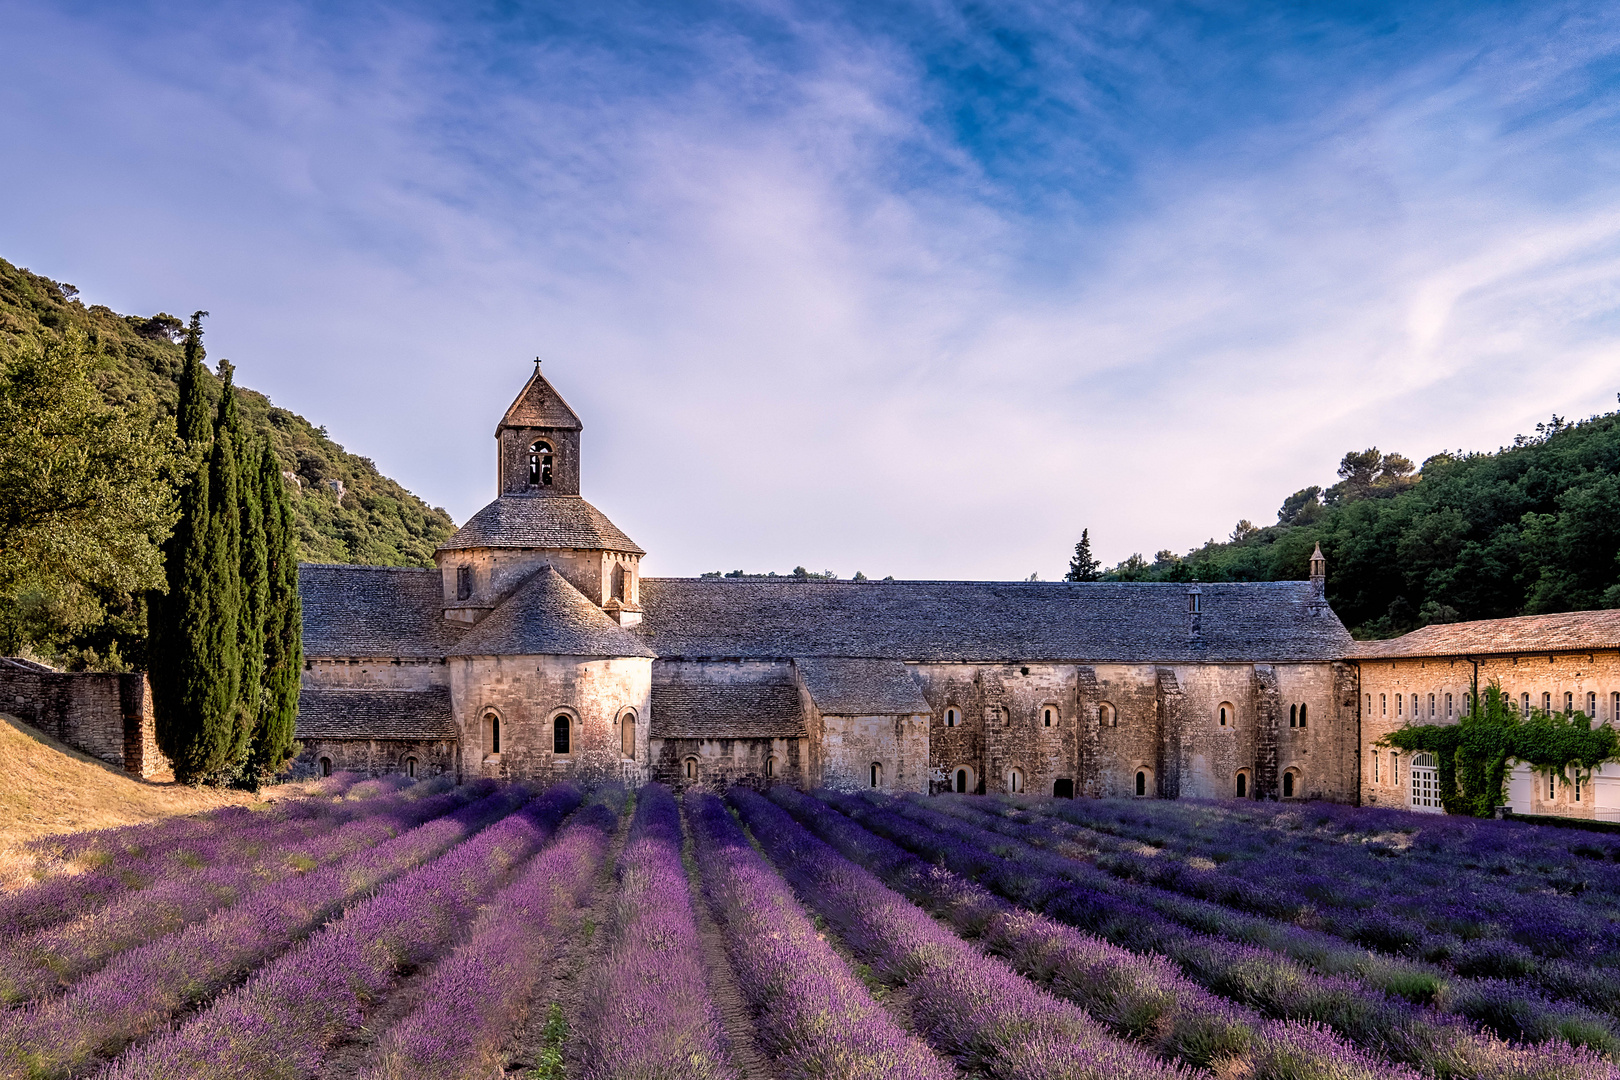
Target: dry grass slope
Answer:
pixel 48 788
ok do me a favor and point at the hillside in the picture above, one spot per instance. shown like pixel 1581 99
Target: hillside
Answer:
pixel 346 511
pixel 1526 529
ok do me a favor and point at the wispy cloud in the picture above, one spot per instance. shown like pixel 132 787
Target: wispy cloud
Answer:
pixel 921 292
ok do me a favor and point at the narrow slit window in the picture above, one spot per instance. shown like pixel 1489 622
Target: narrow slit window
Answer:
pixel 1047 716
pixel 877 775
pixel 560 736
pixel 951 717
pixel 1141 783
pixel 1303 709
pixel 1293 716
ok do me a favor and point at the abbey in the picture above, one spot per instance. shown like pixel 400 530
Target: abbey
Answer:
pixel 536 650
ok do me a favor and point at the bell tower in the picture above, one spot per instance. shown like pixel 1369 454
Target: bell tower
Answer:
pixel 538 443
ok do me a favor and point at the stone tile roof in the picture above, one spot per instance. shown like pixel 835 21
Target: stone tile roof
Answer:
pixel 541 521
pixel 539 405
pixel 846 687
pixel 765 709
pixel 374 611
pixel 1570 631
pixel 546 616
pixel 375 714
pixel 1131 622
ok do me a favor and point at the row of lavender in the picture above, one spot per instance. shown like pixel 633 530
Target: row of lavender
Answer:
pixel 1434 889
pixel 1456 931
pixel 1217 956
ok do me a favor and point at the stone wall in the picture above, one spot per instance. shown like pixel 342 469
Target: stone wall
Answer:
pixel 375 672
pixel 374 757
pixel 497 572
pixel 717 764
pixel 103 714
pixel 527 694
pixel 1387 691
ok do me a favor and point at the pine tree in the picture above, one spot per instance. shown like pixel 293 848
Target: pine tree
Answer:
pixel 1083 567
pixel 184 654
pixel 283 625
pixel 223 714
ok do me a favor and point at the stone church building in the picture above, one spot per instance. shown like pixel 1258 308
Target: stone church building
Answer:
pixel 535 649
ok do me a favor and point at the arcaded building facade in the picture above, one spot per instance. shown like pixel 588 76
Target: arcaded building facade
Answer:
pixel 535 649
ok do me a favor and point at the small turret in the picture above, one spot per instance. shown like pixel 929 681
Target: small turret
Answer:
pixel 1318 574
pixel 1195 612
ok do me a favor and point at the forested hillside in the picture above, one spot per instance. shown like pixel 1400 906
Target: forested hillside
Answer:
pixel 1533 527
pixel 345 510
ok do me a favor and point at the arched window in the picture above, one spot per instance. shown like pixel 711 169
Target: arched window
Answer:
pixel 1569 701
pixel 1400 704
pixel 1015 781
pixel 540 465
pixel 1243 785
pixel 1551 791
pixel 1614 708
pixel 1141 783
pixel 1414 707
pixel 770 768
pixel 1226 714
pixel 1546 701
pixel 1425 775
pixel 1375 766
pixel 1383 704
pixel 691 768
pixel 1288 785
pixel 952 717
pixel 1293 716
pixel 560 741
pixel 1303 708
pixel 1063 789
pixel 1431 706
pixel 326 766
pixel 492 733
pixel 1577 786
pixel 410 767
pixel 1591 704
pixel 1048 716
pixel 1448 706
pixel 964 780
pixel 1107 715
pixel 627 735
pixel 877 775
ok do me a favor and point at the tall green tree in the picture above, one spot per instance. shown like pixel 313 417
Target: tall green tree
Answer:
pixel 1083 567
pixel 229 743
pixel 86 493
pixel 187 653
pixel 283 626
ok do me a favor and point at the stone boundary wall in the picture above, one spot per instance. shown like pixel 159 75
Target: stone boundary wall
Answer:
pixel 104 714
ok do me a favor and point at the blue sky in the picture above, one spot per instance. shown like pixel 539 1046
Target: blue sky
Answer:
pixel 912 289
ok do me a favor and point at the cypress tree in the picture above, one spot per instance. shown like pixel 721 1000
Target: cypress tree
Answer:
pixel 283 625
pixel 222 715
pixel 181 665
pixel 1083 567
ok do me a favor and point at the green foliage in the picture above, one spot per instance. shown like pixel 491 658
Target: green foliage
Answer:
pixel 549 1061
pixel 1524 530
pixel 1083 567
pixel 86 497
pixel 283 628
pixel 1475 754
pixel 75 588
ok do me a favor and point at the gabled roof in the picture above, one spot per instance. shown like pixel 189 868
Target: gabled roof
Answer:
pixel 987 622
pixel 539 405
pixel 841 686
pixel 1570 631
pixel 546 616
pixel 764 708
pixel 375 714
pixel 541 521
pixel 374 611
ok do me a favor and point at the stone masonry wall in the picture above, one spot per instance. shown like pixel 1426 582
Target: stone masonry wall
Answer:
pixel 106 715
pixel 374 757
pixel 722 763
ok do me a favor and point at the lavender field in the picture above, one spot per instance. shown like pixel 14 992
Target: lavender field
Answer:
pixel 383 929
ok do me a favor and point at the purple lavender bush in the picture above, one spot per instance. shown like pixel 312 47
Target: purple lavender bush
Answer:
pixel 971 1006
pixel 648 1014
pixel 140 990
pixel 813 1015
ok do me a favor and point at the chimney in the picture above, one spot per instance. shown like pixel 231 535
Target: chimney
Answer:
pixel 1318 575
pixel 1195 616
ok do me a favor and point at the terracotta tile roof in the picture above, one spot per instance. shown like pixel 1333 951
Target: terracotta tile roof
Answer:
pixel 539 405
pixel 541 521
pixel 375 714
pixel 374 611
pixel 1129 622
pixel 1570 631
pixel 546 616
pixel 764 709
pixel 841 686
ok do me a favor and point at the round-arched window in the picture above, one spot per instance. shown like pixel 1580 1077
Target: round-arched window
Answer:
pixel 1243 785
pixel 691 768
pixel 1015 781
pixel 627 734
pixel 770 767
pixel 492 733
pixel 326 766
pixel 1288 785
pixel 1107 715
pixel 561 741
pixel 1303 709
pixel 540 460
pixel 1048 716
pixel 1226 714
pixel 964 780
pixel 410 767
pixel 1141 783
pixel 952 717
pixel 877 774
